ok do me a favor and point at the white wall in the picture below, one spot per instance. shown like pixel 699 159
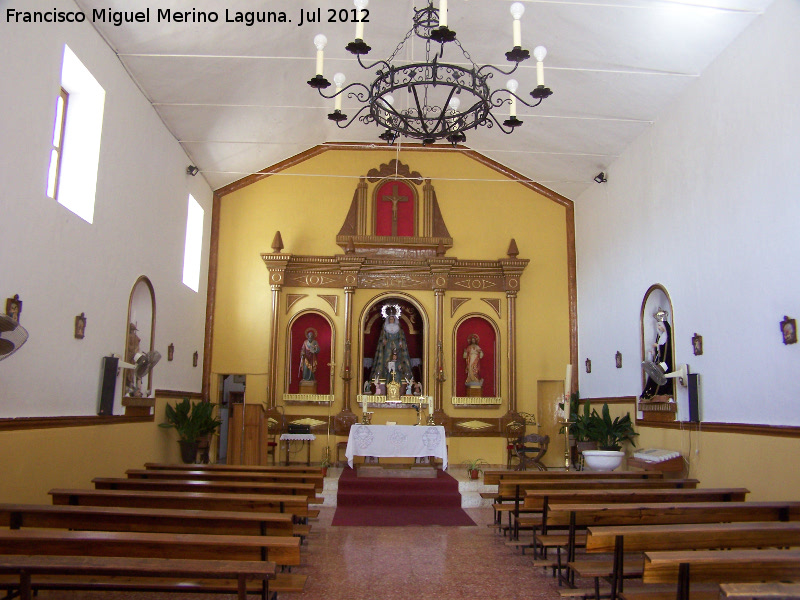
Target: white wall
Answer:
pixel 62 266
pixel 706 204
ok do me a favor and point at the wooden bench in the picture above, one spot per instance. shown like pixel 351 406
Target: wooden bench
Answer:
pixel 759 591
pixel 316 478
pixel 115 573
pixel 689 536
pixel 282 550
pixel 215 487
pixel 541 499
pixel 104 518
pixel 494 477
pixel 682 568
pixel 578 517
pixel 295 505
pixel 243 468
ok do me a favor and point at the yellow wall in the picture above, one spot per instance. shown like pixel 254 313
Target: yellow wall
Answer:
pixel 35 461
pixel 483 211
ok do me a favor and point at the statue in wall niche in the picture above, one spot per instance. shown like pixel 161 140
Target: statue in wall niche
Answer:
pixel 472 356
pixel 660 353
pixel 392 351
pixel 308 356
pixel 132 350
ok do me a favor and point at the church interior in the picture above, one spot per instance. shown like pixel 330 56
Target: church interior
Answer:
pixel 210 230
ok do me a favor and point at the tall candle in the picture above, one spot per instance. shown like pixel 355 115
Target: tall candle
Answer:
pixel 568 388
pixel 442 13
pixel 364 406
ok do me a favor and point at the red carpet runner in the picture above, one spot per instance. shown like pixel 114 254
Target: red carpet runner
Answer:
pixel 397 502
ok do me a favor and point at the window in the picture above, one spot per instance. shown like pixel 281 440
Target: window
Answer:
pixel 194 244
pixel 58 144
pixel 75 155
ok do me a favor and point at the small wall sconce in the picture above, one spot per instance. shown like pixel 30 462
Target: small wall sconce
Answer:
pixel 194 358
pixel 600 177
pixel 588 365
pixel 697 344
pixel 14 307
pixel 618 358
pixel 192 170
pixel 80 326
pixel 170 352
pixel 789 330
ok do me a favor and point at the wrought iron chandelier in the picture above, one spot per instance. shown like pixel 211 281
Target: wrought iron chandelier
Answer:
pixel 438 100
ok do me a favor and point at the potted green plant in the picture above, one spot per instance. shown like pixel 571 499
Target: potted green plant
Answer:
pixel 193 422
pixel 325 464
pixel 609 435
pixel 473 466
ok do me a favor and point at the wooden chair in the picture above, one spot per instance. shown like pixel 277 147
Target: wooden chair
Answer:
pixel 530 449
pixel 514 431
pixel 272 447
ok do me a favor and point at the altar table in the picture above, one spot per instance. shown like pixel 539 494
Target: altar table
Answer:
pixel 397 441
pixel 305 438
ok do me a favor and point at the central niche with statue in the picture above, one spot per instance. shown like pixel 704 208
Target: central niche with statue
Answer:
pixel 393 347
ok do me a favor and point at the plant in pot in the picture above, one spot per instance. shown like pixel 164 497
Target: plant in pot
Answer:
pixel 609 435
pixel 325 463
pixel 473 466
pixel 193 422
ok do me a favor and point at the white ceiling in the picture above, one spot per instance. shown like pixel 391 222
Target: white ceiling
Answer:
pixel 236 97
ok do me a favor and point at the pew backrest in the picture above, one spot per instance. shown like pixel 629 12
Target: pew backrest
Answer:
pixel 493 477
pixel 221 487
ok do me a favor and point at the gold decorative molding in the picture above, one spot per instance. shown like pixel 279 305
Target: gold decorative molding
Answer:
pixel 333 300
pixel 308 421
pixel 394 168
pixel 455 303
pixel 476 401
pixel 308 398
pixel 403 402
pixel 473 425
pixel 291 299
pixel 494 303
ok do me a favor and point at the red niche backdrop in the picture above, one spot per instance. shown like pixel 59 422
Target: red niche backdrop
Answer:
pixel 297 336
pixel 374 324
pixel 487 341
pixel 394 209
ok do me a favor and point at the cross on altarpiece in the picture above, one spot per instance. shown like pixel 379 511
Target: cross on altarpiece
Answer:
pixel 394 199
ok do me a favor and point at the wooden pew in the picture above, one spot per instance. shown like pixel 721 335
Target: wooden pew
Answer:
pixel 777 590
pixel 283 550
pixel 578 517
pixel 516 490
pixel 295 505
pixel 494 477
pixel 690 536
pixel 114 573
pixel 316 478
pixel 103 518
pixel 242 468
pixel 680 568
pixel 541 499
pixel 214 487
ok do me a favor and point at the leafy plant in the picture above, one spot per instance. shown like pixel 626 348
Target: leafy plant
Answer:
pixel 475 464
pixel 191 420
pixel 610 435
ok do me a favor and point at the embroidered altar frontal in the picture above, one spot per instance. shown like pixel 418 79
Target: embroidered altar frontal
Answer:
pixel 397 441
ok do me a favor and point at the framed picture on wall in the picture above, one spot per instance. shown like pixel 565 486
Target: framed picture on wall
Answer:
pixel 789 330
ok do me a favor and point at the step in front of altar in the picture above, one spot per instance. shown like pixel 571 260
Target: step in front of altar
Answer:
pixel 397 471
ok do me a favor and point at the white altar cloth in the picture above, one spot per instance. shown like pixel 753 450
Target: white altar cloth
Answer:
pixel 397 440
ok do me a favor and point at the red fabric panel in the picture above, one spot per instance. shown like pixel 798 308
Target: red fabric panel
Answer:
pixel 487 342
pixel 405 209
pixel 297 337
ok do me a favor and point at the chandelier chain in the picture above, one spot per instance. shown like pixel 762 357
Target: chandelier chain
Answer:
pixel 466 54
pixel 400 45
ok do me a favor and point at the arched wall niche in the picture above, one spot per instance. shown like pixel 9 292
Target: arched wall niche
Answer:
pixel 140 331
pixel 395 208
pixel 296 335
pixel 489 341
pixel 656 298
pixel 413 321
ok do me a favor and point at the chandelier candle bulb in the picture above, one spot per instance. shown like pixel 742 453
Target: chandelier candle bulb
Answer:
pixel 360 5
pixel 339 80
pixel 320 41
pixel 540 52
pixel 442 13
pixel 517 10
pixel 511 86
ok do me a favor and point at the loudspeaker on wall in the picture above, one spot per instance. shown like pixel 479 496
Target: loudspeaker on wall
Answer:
pixel 108 382
pixel 694 398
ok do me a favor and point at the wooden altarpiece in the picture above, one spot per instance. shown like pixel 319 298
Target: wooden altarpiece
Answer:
pixel 394 239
